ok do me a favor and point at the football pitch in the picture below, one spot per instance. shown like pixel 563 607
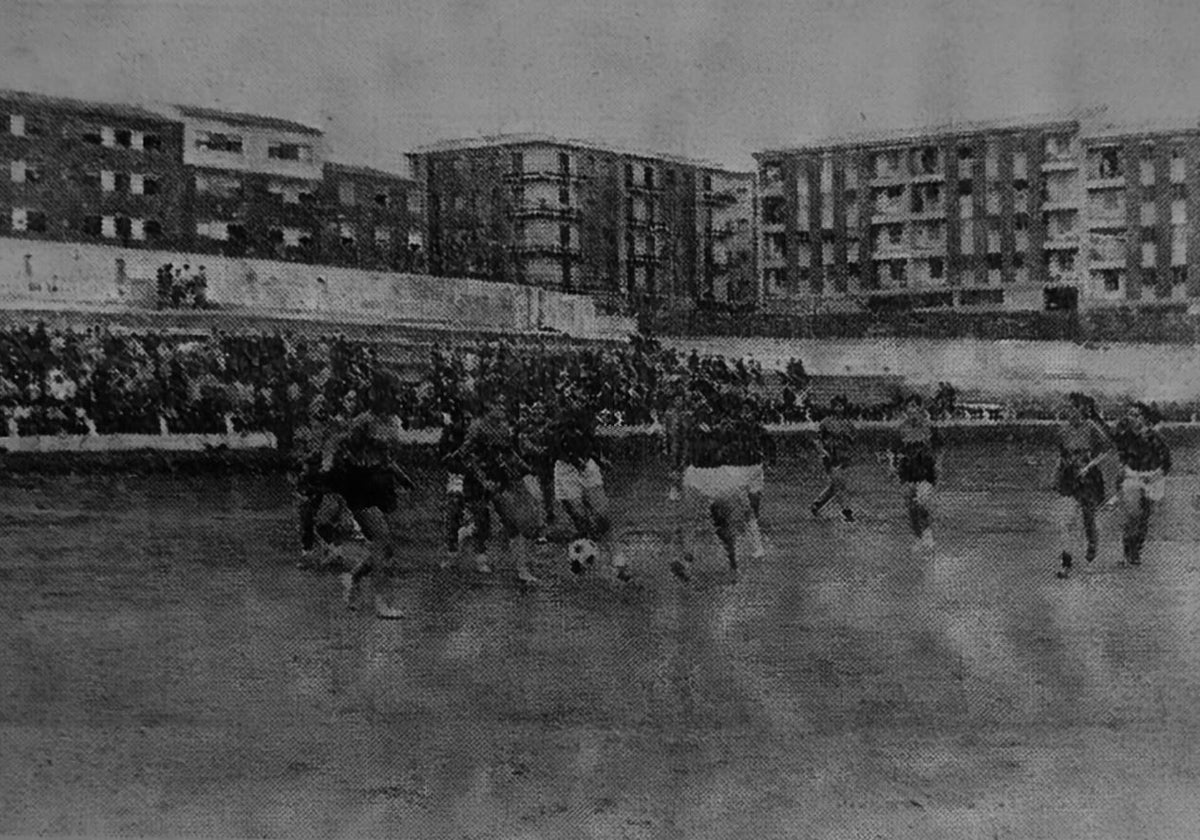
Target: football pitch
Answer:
pixel 167 671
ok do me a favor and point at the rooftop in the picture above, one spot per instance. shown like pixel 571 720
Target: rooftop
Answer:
pixel 108 109
pixel 248 120
pixel 354 169
pixel 504 140
pixel 890 137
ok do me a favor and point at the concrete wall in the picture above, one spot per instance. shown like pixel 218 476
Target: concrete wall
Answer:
pixel 37 273
pixel 991 369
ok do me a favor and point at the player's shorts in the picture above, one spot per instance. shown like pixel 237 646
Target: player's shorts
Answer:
pixel 571 481
pixel 704 487
pixel 751 476
pixel 366 488
pixel 1151 482
pixel 454 483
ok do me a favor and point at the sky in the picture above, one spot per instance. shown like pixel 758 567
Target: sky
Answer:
pixel 713 79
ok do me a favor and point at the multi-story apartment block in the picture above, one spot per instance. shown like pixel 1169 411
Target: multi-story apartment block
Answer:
pixel 88 171
pixel 255 183
pixel 1030 215
pixel 580 216
pixel 372 219
pixel 1140 212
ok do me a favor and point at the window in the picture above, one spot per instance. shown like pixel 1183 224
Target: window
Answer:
pixel 1149 213
pixel 937 268
pixel 993 262
pixel 91 135
pixel 107 180
pixel 1020 162
pixel 287 151
pixel 564 236
pixel 564 162
pixel 966 153
pixel 123 137
pixel 346 193
pixel 108 227
pixel 383 237
pixel 17 170
pixel 152 143
pixel 91 225
pixel 123 227
pixel 1018 261
pixel 1149 254
pixel 20 219
pixel 1020 221
pixel 151 185
pixel 516 162
pixel 218 231
pixel 222 186
pixel 153 229
pixel 108 137
pixel 382 200
pixel 1179 275
pixel 218 142
pixel 965 188
pixel 1149 277
pixel 564 195
pixel 137 230
pixel 1147 171
pixel 1178 212
pixel 1178 164
pixel 122 182
pixel 347 234
pixel 16 125
pixel 648 176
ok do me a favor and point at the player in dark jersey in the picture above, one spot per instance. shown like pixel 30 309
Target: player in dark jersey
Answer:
pixel 835 440
pixel 1078 479
pixel 1147 461
pixel 496 476
pixel 914 459
pixel 749 446
pixel 709 489
pixel 359 463
pixel 579 482
pixel 454 431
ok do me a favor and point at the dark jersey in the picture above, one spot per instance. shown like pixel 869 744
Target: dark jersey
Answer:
pixel 450 442
pixel 490 452
pixel 1141 450
pixel 747 442
pixel 571 437
pixel 914 451
pixel 1077 476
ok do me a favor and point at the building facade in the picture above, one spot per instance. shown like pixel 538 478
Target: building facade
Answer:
pixel 90 172
pixel 1043 214
pixel 578 216
pixel 372 219
pixel 255 184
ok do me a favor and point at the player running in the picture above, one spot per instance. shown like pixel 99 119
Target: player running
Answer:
pixel 1078 478
pixel 358 464
pixel 1147 461
pixel 495 476
pixel 579 483
pixel 454 431
pixel 836 436
pixel 749 446
pixel 914 459
pixel 710 490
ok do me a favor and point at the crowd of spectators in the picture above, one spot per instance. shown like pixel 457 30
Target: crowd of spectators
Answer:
pixel 104 381
pixel 179 287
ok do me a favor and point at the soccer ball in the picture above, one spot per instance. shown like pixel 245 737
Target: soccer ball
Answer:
pixel 582 554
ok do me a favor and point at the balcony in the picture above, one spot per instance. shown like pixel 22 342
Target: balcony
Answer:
pixel 1060 164
pixel 546 211
pixel 640 187
pixel 555 175
pixel 638 223
pixel 1061 240
pixel 1060 205
pixel 1104 180
pixel 547 249
pixel 719 198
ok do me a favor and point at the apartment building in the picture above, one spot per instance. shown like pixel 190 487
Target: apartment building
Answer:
pixel 372 219
pixel 255 182
pixel 91 172
pixel 1037 214
pixel 581 216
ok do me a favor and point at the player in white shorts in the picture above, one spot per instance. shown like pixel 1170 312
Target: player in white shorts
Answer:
pixel 748 447
pixel 579 483
pixel 1147 461
pixel 710 490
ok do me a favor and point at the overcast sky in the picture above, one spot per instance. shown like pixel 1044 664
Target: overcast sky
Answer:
pixel 716 79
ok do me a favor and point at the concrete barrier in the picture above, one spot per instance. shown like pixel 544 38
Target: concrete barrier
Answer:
pixel 41 274
pixel 990 370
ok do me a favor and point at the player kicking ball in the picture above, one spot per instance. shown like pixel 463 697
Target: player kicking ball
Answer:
pixel 579 488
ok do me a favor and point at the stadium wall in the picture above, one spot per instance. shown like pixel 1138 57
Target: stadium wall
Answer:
pixel 1000 370
pixel 51 274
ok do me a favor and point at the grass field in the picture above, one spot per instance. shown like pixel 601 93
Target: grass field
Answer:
pixel 167 671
